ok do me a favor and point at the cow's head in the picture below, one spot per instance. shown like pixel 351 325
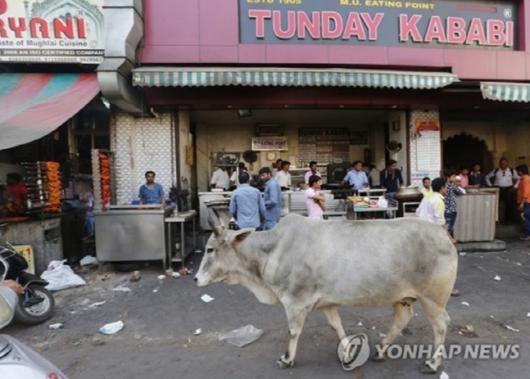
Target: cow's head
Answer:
pixel 220 258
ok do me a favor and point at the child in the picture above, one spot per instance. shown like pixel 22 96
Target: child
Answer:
pixel 453 190
pixel 432 208
pixel 314 200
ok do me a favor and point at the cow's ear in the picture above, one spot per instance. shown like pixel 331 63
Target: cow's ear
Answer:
pixel 236 238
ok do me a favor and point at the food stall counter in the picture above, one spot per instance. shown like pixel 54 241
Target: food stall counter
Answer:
pixel 132 233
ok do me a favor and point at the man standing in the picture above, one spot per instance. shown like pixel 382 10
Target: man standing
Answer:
pixel 151 192
pixel 523 199
pixel 283 177
pixel 391 179
pixel 234 179
pixel 507 180
pixel 16 193
pixel 312 172
pixel 356 178
pixel 246 204
pixel 220 179
pixel 453 190
pixel 272 198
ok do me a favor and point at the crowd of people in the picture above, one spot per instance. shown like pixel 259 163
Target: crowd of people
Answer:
pixel 514 194
pixel 251 209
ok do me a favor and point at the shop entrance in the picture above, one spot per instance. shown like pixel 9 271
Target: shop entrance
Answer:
pixel 333 137
pixel 465 150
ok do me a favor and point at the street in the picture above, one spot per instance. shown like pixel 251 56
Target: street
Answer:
pixel 160 317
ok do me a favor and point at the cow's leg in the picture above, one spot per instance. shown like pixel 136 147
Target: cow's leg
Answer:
pixel 439 320
pixel 403 313
pixel 296 318
pixel 332 314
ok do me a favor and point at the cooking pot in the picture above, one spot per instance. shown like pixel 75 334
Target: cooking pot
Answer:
pixel 409 194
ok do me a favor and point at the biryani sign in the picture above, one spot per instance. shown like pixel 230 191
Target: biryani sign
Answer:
pixel 51 31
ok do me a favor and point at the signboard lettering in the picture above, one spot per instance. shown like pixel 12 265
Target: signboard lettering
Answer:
pixel 377 22
pixel 62 31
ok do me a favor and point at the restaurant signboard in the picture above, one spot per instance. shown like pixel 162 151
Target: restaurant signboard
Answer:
pixel 51 31
pixel 457 23
pixel 269 143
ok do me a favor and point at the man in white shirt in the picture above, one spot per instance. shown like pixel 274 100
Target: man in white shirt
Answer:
pixel 314 200
pixel 507 180
pixel 220 179
pixel 283 177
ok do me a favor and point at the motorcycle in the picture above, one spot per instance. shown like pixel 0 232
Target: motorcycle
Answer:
pixel 16 359
pixel 37 304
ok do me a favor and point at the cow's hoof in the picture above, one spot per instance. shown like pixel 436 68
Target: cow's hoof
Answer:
pixel 429 368
pixel 284 362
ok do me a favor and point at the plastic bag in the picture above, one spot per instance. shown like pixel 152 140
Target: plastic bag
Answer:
pixel 242 336
pixel 382 202
pixel 61 276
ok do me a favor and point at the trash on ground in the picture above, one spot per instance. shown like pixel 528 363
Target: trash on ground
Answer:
pixel 444 375
pixel 56 326
pixel 360 323
pixel 197 332
pixel 161 277
pixel 112 328
pixel 121 289
pixel 88 260
pixel 382 335
pixel 518 263
pixel 97 304
pixel 61 276
pixel 497 277
pixel 467 330
pixel 243 336
pixel 511 328
pixel 465 303
pixel 84 302
pixel 156 289
pixel 185 271
pixel 135 276
pixel 169 273
pixel 463 254
pixel 175 275
pixel 207 298
pixel 528 314
pixel 373 327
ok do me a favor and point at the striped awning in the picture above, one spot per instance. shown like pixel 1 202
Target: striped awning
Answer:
pixel 515 92
pixel 34 105
pixel 288 77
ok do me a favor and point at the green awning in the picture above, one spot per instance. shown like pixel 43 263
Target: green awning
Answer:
pixel 288 77
pixel 516 92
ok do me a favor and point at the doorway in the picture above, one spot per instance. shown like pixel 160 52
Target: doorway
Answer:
pixel 465 150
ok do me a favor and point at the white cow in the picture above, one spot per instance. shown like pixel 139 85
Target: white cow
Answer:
pixel 310 264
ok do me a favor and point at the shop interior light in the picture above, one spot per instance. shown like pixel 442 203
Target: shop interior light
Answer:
pixel 244 113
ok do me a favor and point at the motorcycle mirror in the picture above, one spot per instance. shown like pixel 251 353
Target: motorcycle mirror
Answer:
pixel 8 302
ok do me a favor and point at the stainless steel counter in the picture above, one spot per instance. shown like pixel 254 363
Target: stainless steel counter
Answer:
pixel 131 233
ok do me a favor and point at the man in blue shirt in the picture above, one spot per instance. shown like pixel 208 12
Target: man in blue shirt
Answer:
pixel 151 192
pixel 272 198
pixel 246 204
pixel 356 178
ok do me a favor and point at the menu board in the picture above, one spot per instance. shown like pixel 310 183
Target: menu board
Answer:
pixel 327 145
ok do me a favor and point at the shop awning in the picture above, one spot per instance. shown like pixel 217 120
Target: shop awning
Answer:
pixel 34 105
pixel 288 77
pixel 516 92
